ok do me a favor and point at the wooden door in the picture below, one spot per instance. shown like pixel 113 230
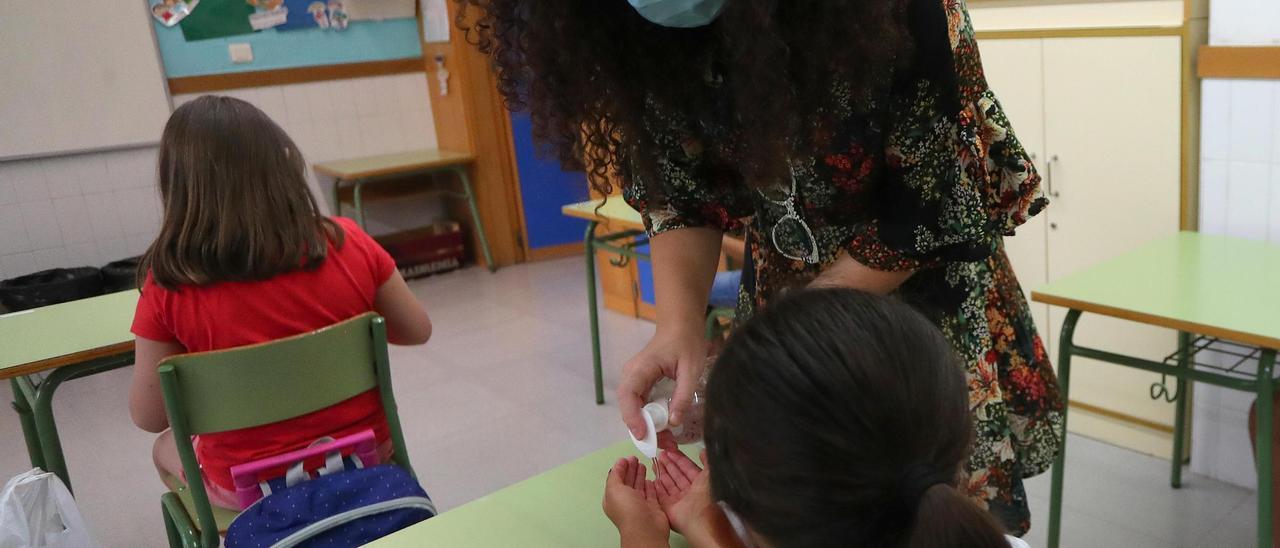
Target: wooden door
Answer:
pixel 1112 125
pixel 1015 72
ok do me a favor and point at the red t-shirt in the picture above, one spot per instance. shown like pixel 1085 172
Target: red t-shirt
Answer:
pixel 230 314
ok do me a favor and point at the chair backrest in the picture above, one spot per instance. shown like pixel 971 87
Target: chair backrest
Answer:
pixel 273 381
pixel 270 382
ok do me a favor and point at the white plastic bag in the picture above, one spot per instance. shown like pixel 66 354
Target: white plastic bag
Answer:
pixel 36 510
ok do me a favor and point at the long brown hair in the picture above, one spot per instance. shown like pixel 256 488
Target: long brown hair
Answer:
pixel 237 206
pixel 591 73
pixel 840 418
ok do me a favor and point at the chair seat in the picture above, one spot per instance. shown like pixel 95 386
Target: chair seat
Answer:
pixel 221 516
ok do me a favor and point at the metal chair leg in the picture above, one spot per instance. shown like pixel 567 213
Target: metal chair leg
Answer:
pixel 178 526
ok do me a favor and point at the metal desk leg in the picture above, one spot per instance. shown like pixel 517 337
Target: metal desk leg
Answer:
pixel 46 427
pixel 358 203
pixel 337 202
pixel 1180 417
pixel 22 405
pixel 590 246
pixel 475 217
pixel 1064 384
pixel 1265 403
pixel 42 408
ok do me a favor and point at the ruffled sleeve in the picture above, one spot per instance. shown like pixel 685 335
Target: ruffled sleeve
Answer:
pixel 687 189
pixel 957 178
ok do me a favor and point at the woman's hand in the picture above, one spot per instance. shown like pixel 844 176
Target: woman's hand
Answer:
pixel 684 491
pixel 677 354
pixel 631 502
pixel 684 264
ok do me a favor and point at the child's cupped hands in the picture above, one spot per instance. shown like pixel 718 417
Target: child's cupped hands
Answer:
pixel 684 492
pixel 631 502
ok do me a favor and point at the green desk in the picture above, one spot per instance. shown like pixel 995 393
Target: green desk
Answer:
pixel 557 509
pixel 1221 294
pixel 359 172
pixel 626 232
pixel 42 348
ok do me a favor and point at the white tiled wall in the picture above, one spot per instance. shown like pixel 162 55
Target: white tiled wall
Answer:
pixel 1244 22
pixel 90 209
pixel 1239 196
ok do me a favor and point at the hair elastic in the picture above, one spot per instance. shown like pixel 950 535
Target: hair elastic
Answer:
pixel 917 479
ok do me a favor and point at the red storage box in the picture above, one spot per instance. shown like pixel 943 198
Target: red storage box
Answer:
pixel 436 248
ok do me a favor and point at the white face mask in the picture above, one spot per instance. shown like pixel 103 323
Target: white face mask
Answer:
pixel 682 14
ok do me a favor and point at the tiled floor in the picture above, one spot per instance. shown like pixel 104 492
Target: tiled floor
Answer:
pixel 503 392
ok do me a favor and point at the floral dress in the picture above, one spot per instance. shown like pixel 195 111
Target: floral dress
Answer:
pixel 931 180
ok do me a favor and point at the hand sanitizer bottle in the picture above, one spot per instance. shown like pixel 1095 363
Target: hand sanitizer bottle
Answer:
pixel 657 417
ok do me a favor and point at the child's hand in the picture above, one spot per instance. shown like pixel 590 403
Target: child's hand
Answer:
pixel 684 491
pixel 631 502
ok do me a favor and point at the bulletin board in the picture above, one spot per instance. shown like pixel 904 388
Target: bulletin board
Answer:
pixel 376 31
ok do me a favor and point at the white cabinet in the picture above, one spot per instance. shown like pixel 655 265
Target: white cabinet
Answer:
pixel 1102 115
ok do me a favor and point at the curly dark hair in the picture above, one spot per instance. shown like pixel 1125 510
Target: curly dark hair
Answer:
pixel 590 71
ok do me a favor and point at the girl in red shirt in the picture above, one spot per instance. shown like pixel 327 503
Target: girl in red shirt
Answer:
pixel 244 256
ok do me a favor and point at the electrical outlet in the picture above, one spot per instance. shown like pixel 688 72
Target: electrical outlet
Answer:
pixel 240 53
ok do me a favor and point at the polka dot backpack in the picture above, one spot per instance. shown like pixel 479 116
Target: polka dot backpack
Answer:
pixel 354 500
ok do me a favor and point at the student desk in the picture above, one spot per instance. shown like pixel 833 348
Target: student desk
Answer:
pixel 626 232
pixel 63 341
pixel 1221 294
pixel 356 173
pixel 557 509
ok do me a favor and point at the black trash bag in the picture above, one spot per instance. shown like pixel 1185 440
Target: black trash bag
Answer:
pixel 47 287
pixel 120 275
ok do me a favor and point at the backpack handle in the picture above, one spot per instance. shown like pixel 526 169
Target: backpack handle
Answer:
pixel 251 484
pixel 297 472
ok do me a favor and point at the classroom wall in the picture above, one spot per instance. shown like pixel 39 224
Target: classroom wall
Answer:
pixel 90 209
pixel 1239 196
pixel 85 209
pixel 1244 22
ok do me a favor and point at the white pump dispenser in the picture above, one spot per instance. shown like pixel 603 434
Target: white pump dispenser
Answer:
pixel 657 418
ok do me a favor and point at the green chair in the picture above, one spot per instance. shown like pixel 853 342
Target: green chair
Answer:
pixel 716 328
pixel 262 384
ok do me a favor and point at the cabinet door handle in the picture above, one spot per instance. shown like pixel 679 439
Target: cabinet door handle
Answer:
pixel 1049 176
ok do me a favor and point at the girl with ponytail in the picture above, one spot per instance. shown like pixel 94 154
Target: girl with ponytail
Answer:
pixel 834 418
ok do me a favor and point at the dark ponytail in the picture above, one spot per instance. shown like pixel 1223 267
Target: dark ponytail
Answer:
pixel 840 418
pixel 945 517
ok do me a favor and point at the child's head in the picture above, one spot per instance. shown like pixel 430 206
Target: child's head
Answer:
pixel 237 206
pixel 839 418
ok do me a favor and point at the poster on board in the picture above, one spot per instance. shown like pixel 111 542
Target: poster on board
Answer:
pixel 301 16
pixel 379 10
pixel 216 19
pixel 435 21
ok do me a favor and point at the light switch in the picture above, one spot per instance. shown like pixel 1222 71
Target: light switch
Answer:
pixel 241 53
